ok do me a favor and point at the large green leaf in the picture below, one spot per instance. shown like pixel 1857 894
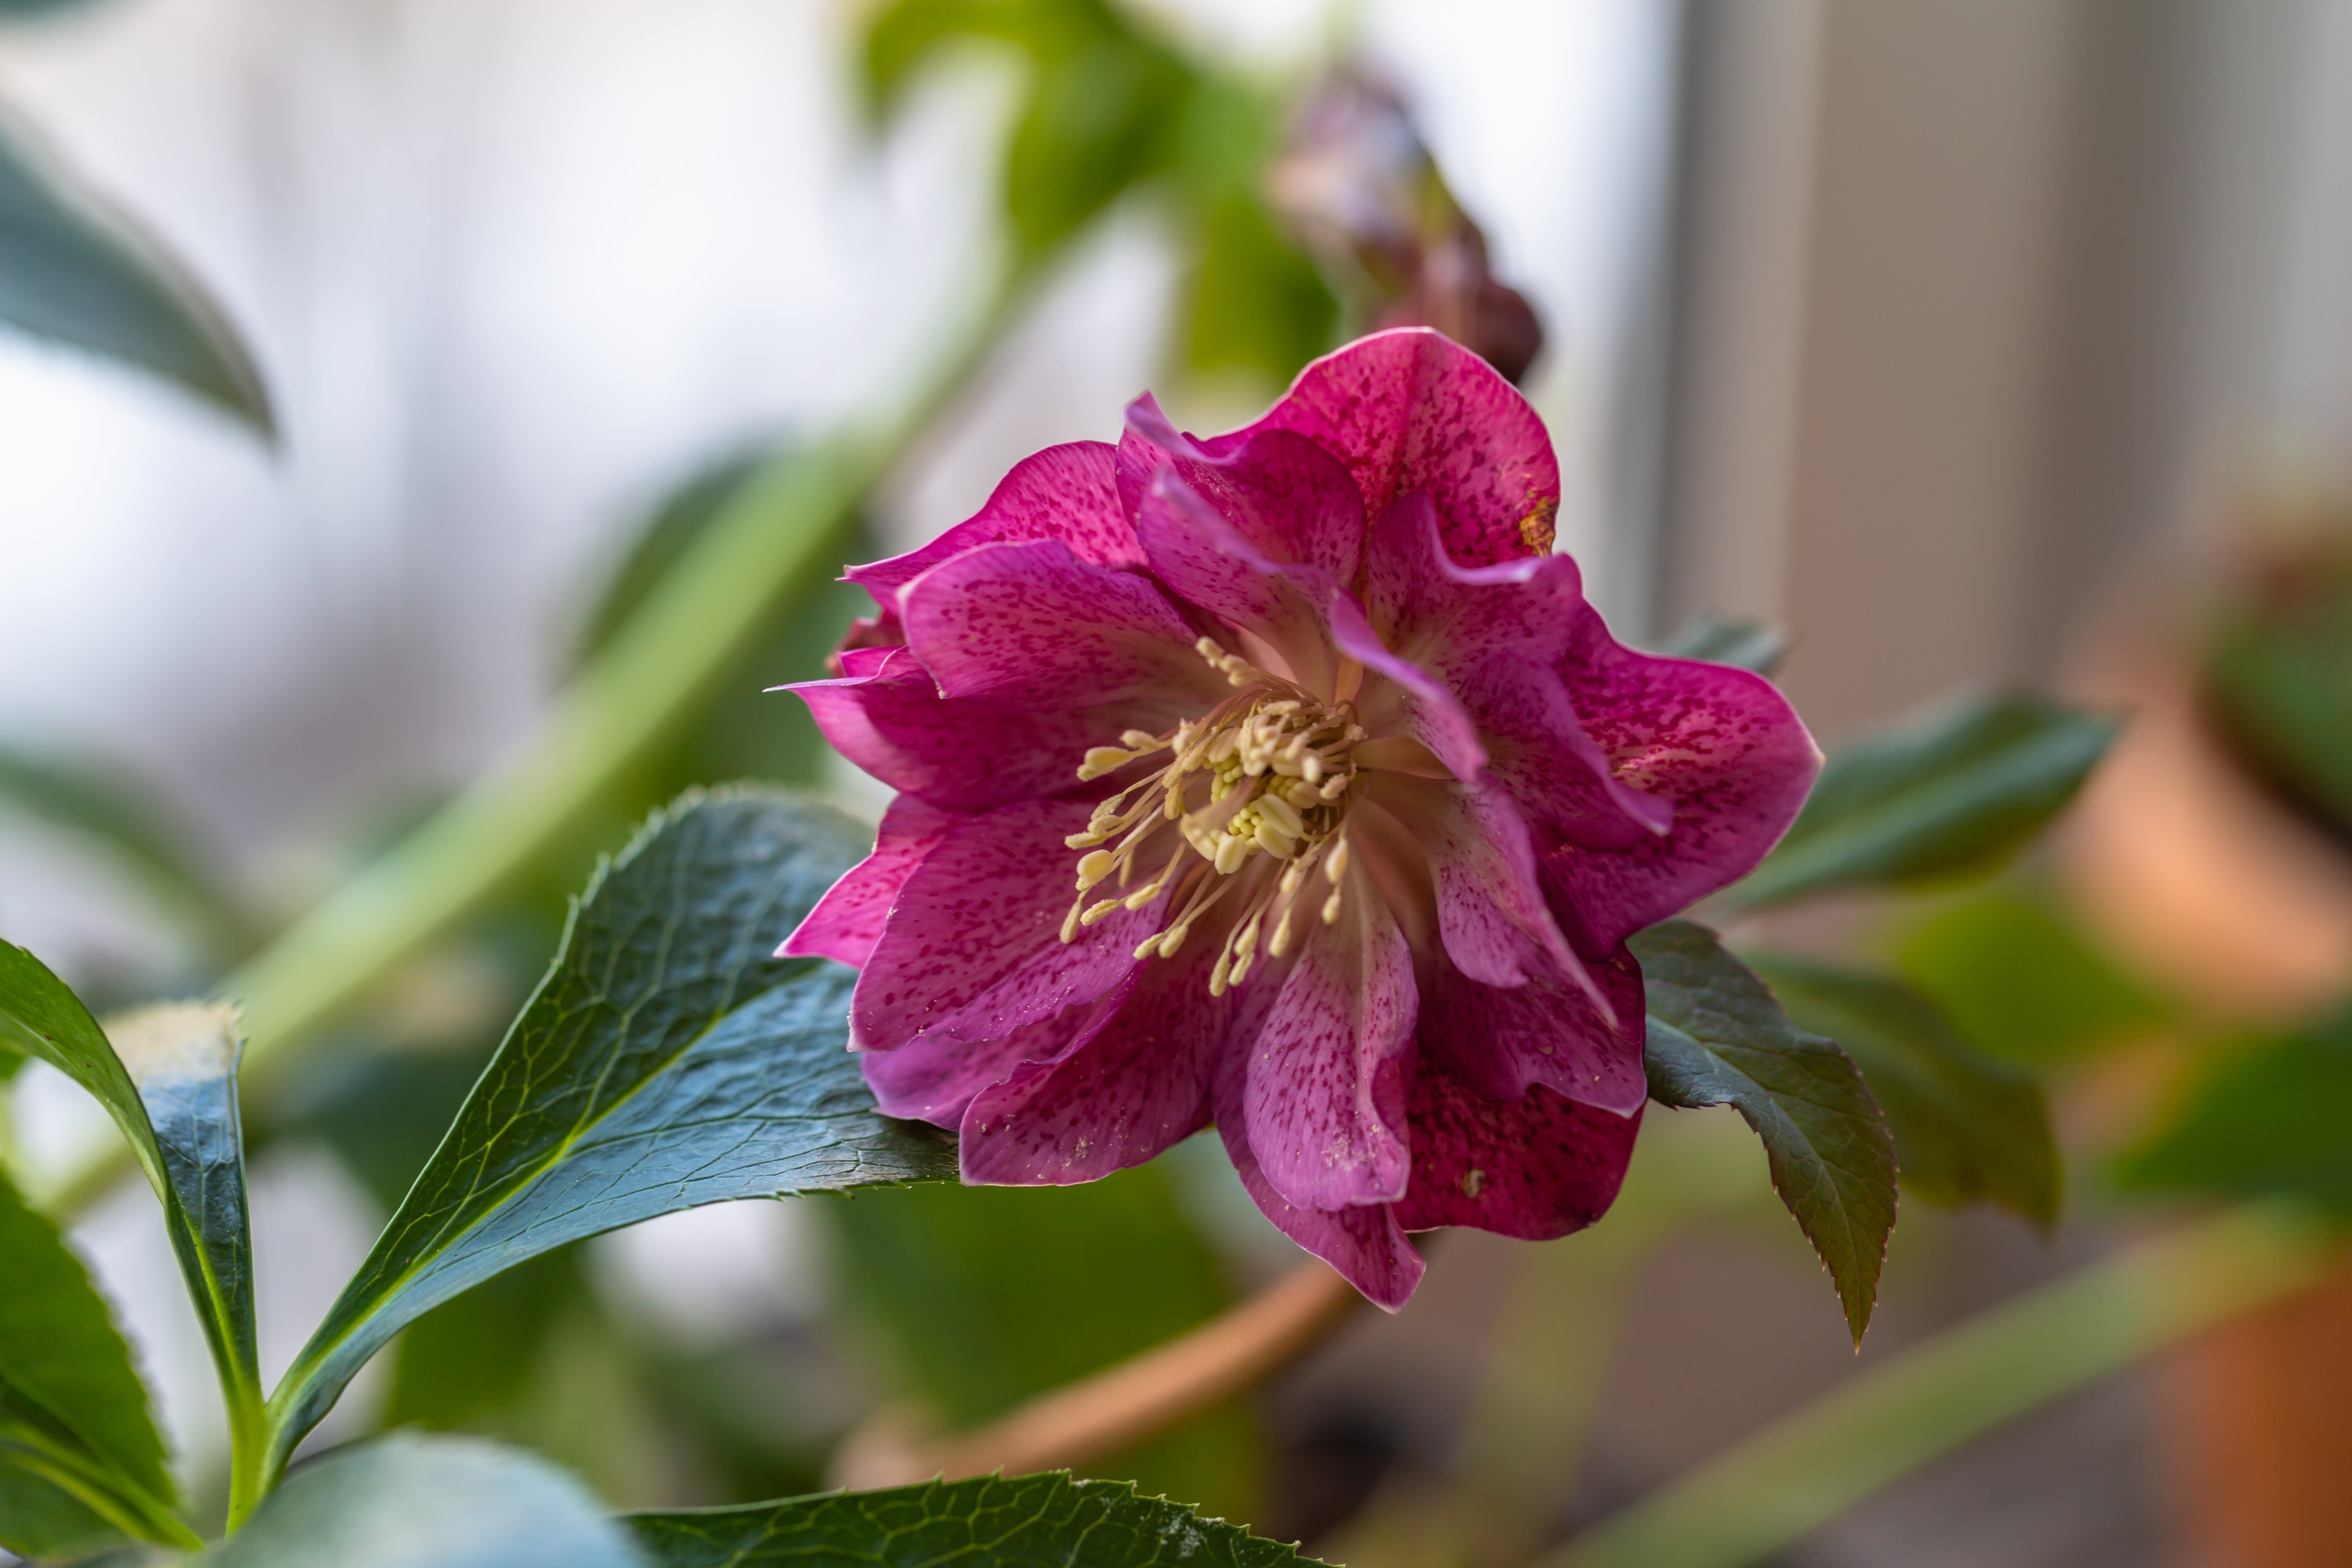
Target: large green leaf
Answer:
pixel 81 1466
pixel 171 1090
pixel 1717 1037
pixel 996 1521
pixel 1967 1129
pixel 2269 1119
pixel 74 271
pixel 104 806
pixel 668 1060
pixel 429 1502
pixel 1954 793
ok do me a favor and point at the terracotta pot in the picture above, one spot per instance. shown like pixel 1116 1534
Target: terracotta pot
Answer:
pixel 2192 872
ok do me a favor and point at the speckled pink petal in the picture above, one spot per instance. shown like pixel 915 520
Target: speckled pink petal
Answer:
pixel 1033 627
pixel 1328 1070
pixel 1491 915
pixel 1409 409
pixel 1134 1086
pixel 1497 1043
pixel 847 921
pixel 1721 745
pixel 1414 702
pixel 931 1079
pixel 972 949
pixel 1070 493
pixel 1538 750
pixel 1365 1244
pixel 1293 501
pixel 1446 616
pixel 1536 1169
pixel 1205 560
pixel 886 714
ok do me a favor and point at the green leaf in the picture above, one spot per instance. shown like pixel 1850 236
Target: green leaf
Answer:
pixel 172 1089
pixel 77 272
pixel 81 1466
pixel 2268 1120
pixel 1252 303
pixel 996 1521
pixel 1717 1037
pixel 2020 983
pixel 668 1060
pixel 101 804
pixel 1743 645
pixel 1967 1129
pixel 1951 794
pixel 2280 675
pixel 429 1502
pixel 989 1296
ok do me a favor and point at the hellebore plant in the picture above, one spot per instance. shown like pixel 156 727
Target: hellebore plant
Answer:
pixel 1285 780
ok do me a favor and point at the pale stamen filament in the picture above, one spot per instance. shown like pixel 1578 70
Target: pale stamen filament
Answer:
pixel 1264 772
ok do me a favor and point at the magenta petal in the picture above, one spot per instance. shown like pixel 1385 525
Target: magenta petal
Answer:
pixel 847 921
pixel 1498 1043
pixel 972 950
pixel 1427 707
pixel 886 714
pixel 1329 1070
pixel 1491 915
pixel 1721 745
pixel 1409 410
pixel 1445 616
pixel 1136 1084
pixel 1538 750
pixel 1537 1169
pixel 1288 497
pixel 1070 493
pixel 1205 560
pixel 1365 1244
pixel 933 1078
pixel 1033 627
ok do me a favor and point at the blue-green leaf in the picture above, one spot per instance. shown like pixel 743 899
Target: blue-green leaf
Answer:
pixel 81 1466
pixel 429 1502
pixel 668 1060
pixel 1717 1037
pixel 74 271
pixel 1967 1129
pixel 1952 793
pixel 996 1521
pixel 171 1090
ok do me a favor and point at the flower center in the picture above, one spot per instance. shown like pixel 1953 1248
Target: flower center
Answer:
pixel 1260 780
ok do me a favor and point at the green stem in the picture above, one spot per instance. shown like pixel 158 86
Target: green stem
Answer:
pixel 774 541
pixel 249 1448
pixel 1786 1481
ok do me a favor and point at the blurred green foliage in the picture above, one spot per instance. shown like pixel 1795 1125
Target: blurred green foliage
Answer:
pixel 1968 1128
pixel 985 1296
pixel 2020 982
pixel 2267 1118
pixel 1107 106
pixel 2279 680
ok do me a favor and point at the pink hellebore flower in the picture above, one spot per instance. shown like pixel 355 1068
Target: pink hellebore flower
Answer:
pixel 1285 780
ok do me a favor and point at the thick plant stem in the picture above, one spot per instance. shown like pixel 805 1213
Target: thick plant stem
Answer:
pixel 775 540
pixel 1800 1472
